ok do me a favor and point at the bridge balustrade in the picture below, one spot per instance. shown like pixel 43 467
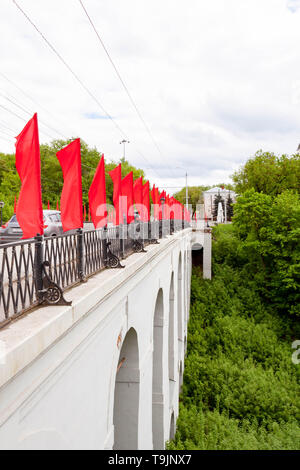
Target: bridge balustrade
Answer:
pixel 40 270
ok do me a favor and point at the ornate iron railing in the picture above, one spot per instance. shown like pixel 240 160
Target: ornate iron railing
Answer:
pixel 39 270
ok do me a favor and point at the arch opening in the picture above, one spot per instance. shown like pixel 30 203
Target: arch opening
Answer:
pixel 126 396
pixel 172 427
pixel 157 375
pixel 197 255
pixel 171 351
pixel 179 309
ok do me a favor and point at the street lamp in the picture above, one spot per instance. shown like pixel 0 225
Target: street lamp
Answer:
pixel 124 142
pixel 2 204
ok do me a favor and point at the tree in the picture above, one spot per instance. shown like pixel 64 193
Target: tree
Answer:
pixel 217 200
pixel 195 194
pixel 269 229
pixel 229 207
pixel 269 174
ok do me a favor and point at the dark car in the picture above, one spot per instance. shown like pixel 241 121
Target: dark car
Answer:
pixel 12 231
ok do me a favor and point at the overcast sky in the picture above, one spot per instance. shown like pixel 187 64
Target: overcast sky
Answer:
pixel 214 80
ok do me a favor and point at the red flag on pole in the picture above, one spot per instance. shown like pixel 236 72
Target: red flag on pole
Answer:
pixel 115 175
pixel 127 191
pixel 138 194
pixel 48 205
pixel 97 197
pixel 89 215
pixel 155 200
pixel 29 209
pixel 84 213
pixel 146 202
pixel 57 206
pixel 71 197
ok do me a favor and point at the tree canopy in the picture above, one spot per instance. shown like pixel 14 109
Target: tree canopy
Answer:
pixel 51 175
pixel 269 174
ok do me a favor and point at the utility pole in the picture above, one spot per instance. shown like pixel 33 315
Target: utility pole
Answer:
pixel 124 142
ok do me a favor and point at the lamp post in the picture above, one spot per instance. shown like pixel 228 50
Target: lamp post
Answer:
pixel 2 204
pixel 124 142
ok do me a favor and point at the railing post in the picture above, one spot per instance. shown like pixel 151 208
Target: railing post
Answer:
pixel 80 255
pixel 171 226
pixel 38 266
pixel 122 238
pixel 104 245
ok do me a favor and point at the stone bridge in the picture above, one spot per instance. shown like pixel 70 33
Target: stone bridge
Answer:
pixel 106 372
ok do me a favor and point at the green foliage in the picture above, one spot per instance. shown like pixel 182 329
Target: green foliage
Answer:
pixel 268 229
pixel 195 194
pixel 229 208
pixel 51 175
pixel 217 200
pixel 241 389
pixel 269 174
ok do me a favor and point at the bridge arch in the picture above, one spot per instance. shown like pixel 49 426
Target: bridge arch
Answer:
pixel 126 395
pixel 171 342
pixel 157 374
pixel 179 304
pixel 172 427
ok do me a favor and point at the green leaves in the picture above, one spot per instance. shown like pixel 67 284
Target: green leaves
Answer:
pixel 240 387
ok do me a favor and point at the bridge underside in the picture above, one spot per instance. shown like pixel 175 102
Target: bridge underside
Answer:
pixel 106 372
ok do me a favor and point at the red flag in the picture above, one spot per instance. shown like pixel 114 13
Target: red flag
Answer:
pixel 115 175
pixel 172 208
pixel 187 215
pixel 84 213
pixel 138 194
pixel 89 216
pixel 97 197
pixel 15 205
pixel 146 203
pixel 155 200
pixel 167 207
pixel 71 197
pixel 162 195
pixel 127 191
pixel 48 206
pixel 29 209
pixel 57 206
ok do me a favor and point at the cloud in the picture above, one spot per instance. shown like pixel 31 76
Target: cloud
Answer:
pixel 293 5
pixel 95 116
pixel 214 81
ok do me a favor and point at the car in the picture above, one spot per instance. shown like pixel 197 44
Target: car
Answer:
pixel 12 231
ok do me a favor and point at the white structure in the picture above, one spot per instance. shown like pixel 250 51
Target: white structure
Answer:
pixel 220 216
pixel 106 372
pixel 209 197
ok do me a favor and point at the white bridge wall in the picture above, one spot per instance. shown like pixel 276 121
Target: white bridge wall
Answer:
pixel 58 377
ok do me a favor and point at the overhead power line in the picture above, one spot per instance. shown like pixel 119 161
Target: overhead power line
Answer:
pixel 94 98
pixel 120 78
pixel 33 101
pixel 5 139
pixel 27 112
pixel 68 66
pixel 122 81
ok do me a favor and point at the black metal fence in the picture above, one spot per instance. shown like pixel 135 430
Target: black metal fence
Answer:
pixel 41 269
